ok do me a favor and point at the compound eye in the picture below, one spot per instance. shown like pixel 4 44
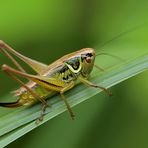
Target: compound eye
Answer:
pixel 88 59
pixel 89 55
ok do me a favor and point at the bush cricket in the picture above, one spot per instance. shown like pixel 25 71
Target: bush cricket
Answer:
pixel 60 76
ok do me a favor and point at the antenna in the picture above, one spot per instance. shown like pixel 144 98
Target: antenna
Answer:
pixel 111 56
pixel 122 33
pixel 116 37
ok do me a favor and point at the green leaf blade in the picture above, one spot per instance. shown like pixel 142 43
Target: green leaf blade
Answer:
pixel 17 122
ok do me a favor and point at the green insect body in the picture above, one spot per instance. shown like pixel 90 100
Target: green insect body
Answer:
pixel 60 76
pixel 69 71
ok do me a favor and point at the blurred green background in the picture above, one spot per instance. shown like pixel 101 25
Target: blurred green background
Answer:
pixel 47 29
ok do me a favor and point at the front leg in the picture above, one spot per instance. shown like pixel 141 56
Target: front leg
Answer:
pixel 88 83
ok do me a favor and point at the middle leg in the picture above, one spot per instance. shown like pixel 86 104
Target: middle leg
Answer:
pixel 69 86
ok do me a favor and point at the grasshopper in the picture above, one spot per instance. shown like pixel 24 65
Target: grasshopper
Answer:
pixel 60 76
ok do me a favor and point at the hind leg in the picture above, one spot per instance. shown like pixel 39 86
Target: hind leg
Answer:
pixel 4 46
pixel 36 65
pixel 34 94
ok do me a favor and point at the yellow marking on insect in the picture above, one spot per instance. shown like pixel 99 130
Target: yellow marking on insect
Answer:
pixel 72 69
